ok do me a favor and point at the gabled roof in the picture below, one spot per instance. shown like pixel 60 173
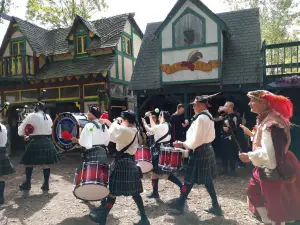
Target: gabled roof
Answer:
pixel 51 42
pixel 241 57
pixel 199 4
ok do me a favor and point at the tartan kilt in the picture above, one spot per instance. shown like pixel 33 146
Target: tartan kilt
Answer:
pixel 202 166
pixel 125 178
pixel 40 150
pixel 155 153
pixel 6 167
pixel 95 154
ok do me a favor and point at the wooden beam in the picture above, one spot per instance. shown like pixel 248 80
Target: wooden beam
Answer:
pixel 145 102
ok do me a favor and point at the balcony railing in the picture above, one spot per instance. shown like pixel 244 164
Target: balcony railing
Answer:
pixel 19 65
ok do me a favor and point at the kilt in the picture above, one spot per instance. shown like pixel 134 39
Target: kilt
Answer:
pixel 125 177
pixel 6 167
pixel 40 150
pixel 202 166
pixel 155 152
pixel 95 154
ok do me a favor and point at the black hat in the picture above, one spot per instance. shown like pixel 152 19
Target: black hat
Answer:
pixel 40 106
pixel 95 111
pixel 204 99
pixel 166 115
pixel 129 115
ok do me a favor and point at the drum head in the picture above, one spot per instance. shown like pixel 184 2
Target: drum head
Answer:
pixel 146 167
pixel 91 192
pixel 65 126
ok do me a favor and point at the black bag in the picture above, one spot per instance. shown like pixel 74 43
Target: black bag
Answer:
pixel 266 174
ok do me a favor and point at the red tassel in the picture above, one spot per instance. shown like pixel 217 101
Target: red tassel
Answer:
pixel 108 205
pixel 183 189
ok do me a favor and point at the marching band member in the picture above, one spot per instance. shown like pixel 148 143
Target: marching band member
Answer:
pixel 202 163
pixel 40 149
pixel 162 137
pixel 125 175
pixel 6 167
pixel 94 138
pixel 274 188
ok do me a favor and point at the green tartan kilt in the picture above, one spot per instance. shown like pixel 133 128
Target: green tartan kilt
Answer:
pixel 40 150
pixel 6 167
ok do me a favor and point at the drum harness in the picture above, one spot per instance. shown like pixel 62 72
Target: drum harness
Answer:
pixel 94 146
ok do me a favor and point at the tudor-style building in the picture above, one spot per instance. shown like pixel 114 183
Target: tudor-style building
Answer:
pixel 71 64
pixel 195 51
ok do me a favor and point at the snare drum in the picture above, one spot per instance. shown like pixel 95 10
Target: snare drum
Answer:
pixel 91 181
pixel 143 158
pixel 170 159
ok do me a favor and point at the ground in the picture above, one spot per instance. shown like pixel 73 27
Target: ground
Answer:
pixel 60 207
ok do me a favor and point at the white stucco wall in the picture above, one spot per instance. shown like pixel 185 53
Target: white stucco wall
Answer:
pixel 211 26
pixel 137 42
pixel 128 69
pixel 113 72
pixel 171 57
pixel 127 28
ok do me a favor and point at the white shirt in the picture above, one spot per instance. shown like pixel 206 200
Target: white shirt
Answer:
pixel 3 136
pixel 159 130
pixel 90 135
pixel 41 126
pixel 123 136
pixel 201 131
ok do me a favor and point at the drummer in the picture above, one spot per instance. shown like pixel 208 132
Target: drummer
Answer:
pixel 125 175
pixel 150 135
pixel 94 138
pixel 162 137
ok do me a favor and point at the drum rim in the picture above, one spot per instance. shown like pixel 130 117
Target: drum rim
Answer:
pixel 88 200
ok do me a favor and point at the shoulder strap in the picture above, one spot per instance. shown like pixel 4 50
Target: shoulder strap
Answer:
pixel 204 113
pixel 163 137
pixel 93 122
pixel 126 147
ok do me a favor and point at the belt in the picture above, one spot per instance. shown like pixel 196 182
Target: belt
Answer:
pixel 93 148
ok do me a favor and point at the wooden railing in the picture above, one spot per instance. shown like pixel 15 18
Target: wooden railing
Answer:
pixel 281 59
pixel 19 65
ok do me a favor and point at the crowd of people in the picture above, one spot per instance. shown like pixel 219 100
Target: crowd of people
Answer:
pixel 274 187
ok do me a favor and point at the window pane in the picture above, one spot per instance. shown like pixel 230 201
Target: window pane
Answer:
pixel 79 46
pixel 117 90
pixel 69 92
pixel 92 90
pixel 15 48
pixel 12 97
pixel 85 39
pixel 22 48
pixel 29 95
pixel 51 93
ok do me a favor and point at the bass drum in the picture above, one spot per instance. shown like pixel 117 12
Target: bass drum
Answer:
pixel 65 126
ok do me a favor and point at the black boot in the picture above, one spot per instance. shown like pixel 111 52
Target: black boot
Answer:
pixel 215 209
pixel 2 186
pixel 27 184
pixel 139 202
pixel 45 186
pixel 100 216
pixel 178 203
pixel 154 193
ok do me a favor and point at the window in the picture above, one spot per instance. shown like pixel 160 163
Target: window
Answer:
pixel 17 48
pixel 69 92
pixel 127 45
pixel 81 43
pixel 29 95
pixel 92 90
pixel 189 30
pixel 12 96
pixel 52 93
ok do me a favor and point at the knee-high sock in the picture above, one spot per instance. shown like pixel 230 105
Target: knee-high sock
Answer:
pixel 175 180
pixel 103 202
pixel 140 204
pixel 110 201
pixel 28 172
pixel 212 192
pixel 185 191
pixel 262 211
pixel 2 187
pixel 46 175
pixel 155 185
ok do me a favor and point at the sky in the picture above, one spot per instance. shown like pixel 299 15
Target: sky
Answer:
pixel 146 11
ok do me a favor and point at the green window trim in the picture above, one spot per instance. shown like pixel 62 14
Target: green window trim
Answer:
pixel 127 45
pixel 192 12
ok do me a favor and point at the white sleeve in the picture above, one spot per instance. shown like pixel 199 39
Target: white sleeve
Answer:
pixel 21 128
pixel 86 138
pixel 115 132
pixel 197 137
pixel 4 133
pixel 264 156
pixel 106 134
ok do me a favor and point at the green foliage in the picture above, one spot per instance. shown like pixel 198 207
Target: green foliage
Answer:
pixel 276 17
pixel 5 6
pixel 61 13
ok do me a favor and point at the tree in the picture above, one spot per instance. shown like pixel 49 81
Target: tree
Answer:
pixel 61 13
pixel 276 17
pixel 4 7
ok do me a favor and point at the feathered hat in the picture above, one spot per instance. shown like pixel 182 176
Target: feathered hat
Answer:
pixel 278 103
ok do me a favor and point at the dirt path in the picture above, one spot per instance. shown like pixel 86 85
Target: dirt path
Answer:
pixel 59 206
